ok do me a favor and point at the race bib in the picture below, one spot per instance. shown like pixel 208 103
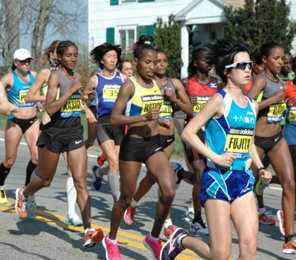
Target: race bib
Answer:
pixel 110 92
pixel 200 103
pixel 151 101
pixel 72 108
pixel 166 111
pixel 22 94
pixel 275 113
pixel 292 115
pixel 239 141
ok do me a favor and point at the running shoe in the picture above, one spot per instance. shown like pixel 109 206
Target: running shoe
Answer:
pixel 176 168
pixel 3 197
pixel 189 215
pixel 172 248
pixel 101 159
pixel 259 188
pixel 129 215
pixel 280 216
pixel 266 219
pixel 199 228
pixel 112 251
pixel 97 179
pixel 20 203
pixel 154 247
pixel 73 220
pixel 167 232
pixel 92 237
pixel 290 247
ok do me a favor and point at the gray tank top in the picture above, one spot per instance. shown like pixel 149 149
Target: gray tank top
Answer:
pixel 168 108
pixel 70 114
pixel 273 112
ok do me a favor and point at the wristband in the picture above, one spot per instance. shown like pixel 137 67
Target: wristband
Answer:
pixel 260 169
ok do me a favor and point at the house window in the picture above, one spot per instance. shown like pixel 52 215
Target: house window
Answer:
pixel 127 39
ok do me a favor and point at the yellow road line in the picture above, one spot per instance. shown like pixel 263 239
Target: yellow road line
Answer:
pixel 59 220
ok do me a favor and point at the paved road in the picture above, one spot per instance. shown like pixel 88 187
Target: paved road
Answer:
pixel 47 237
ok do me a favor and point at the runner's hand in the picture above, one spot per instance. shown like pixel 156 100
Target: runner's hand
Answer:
pixel 152 114
pixel 225 159
pixel 164 122
pixel 290 102
pixel 169 93
pixel 265 176
pixel 193 100
pixel 279 96
pixel 77 85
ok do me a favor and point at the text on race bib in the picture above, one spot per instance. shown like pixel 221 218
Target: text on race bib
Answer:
pixel 276 110
pixel 22 95
pixel 292 114
pixel 151 101
pixel 166 111
pixel 72 105
pixel 200 103
pixel 110 92
pixel 239 140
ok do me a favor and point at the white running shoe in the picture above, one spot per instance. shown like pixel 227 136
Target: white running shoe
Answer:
pixel 73 220
pixel 199 228
pixel 189 215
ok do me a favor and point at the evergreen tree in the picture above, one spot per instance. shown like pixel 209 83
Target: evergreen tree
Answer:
pixel 168 38
pixel 259 22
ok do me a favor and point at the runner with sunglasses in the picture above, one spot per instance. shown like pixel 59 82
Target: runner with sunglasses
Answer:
pixel 227 181
pixel 269 139
pixel 23 119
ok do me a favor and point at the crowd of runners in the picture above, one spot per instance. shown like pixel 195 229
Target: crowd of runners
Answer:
pixel 229 139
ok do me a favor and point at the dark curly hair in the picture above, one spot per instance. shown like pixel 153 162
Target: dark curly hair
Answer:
pixel 196 55
pixel 98 53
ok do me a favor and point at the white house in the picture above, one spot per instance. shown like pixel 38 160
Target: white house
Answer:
pixel 123 21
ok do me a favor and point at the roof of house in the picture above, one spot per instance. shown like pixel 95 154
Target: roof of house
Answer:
pixel 235 3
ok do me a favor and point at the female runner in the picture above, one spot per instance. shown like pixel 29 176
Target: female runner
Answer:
pixel 269 139
pixel 63 133
pixel 141 98
pixel 23 121
pixel 227 181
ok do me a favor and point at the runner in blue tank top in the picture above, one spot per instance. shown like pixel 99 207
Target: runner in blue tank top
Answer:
pixel 106 85
pixel 227 181
pixel 23 118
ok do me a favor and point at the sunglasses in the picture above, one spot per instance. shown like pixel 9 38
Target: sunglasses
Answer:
pixel 240 65
pixel 25 61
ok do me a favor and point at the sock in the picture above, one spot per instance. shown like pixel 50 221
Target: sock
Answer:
pixel 112 240
pixel 179 240
pixel 3 173
pixel 190 210
pixel 261 210
pixel 196 219
pixel 114 185
pixel 30 168
pixel 155 239
pixel 180 175
pixel 167 223
pixel 288 238
pixel 134 204
pixel 71 195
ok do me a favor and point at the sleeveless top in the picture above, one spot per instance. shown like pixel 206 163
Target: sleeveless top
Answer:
pixel 273 112
pixel 107 91
pixel 70 114
pixel 203 92
pixel 168 108
pixel 232 132
pixel 44 88
pixel 291 112
pixel 16 95
pixel 144 99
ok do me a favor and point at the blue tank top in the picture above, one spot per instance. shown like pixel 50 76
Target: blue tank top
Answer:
pixel 232 132
pixel 106 92
pixel 16 95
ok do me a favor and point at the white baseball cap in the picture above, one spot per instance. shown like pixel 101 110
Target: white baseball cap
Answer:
pixel 22 54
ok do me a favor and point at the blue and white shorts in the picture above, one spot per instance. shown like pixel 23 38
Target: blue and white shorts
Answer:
pixel 225 185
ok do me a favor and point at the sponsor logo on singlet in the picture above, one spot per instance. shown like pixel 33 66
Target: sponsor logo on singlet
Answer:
pixel 276 112
pixel 73 107
pixel 110 92
pixel 200 103
pixel 151 101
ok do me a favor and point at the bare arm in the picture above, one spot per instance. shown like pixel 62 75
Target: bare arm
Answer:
pixel 89 90
pixel 4 104
pixel 117 118
pixel 184 102
pixel 40 80
pixel 53 105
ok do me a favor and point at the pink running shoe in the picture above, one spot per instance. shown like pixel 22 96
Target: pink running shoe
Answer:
pixel 168 232
pixel 154 247
pixel 129 215
pixel 112 251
